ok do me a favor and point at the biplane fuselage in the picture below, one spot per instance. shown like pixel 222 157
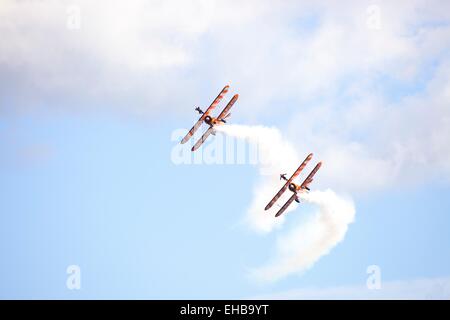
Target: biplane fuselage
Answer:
pixel 209 120
pixel 293 187
pixel 212 121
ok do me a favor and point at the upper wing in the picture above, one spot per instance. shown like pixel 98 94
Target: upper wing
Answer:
pixel 283 189
pixel 202 139
pixel 309 179
pixel 210 108
pixel 286 205
pixel 216 101
pixel 192 131
pixel 224 112
pixel 302 166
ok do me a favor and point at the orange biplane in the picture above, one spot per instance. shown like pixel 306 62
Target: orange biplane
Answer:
pixel 209 120
pixel 294 187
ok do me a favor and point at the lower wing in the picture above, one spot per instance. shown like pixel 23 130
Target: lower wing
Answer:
pixel 202 139
pixel 286 205
pixel 277 196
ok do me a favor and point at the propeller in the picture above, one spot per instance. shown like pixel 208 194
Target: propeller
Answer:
pixel 283 176
pixel 199 110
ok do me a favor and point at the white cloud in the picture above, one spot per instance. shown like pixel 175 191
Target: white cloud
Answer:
pixel 159 53
pixel 367 138
pixel 418 289
pixel 126 55
pixel 374 143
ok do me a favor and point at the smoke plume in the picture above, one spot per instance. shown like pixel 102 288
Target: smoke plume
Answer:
pixel 309 239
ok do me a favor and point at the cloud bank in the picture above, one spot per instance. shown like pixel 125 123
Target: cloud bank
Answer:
pixel 417 289
pixel 369 83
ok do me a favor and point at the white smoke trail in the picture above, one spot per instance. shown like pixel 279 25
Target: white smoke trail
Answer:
pixel 309 240
pixel 299 249
pixel 275 156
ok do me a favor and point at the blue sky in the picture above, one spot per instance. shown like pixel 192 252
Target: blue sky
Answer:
pixel 140 227
pixel 86 175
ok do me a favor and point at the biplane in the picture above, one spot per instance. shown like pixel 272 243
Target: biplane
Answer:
pixel 210 120
pixel 295 188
